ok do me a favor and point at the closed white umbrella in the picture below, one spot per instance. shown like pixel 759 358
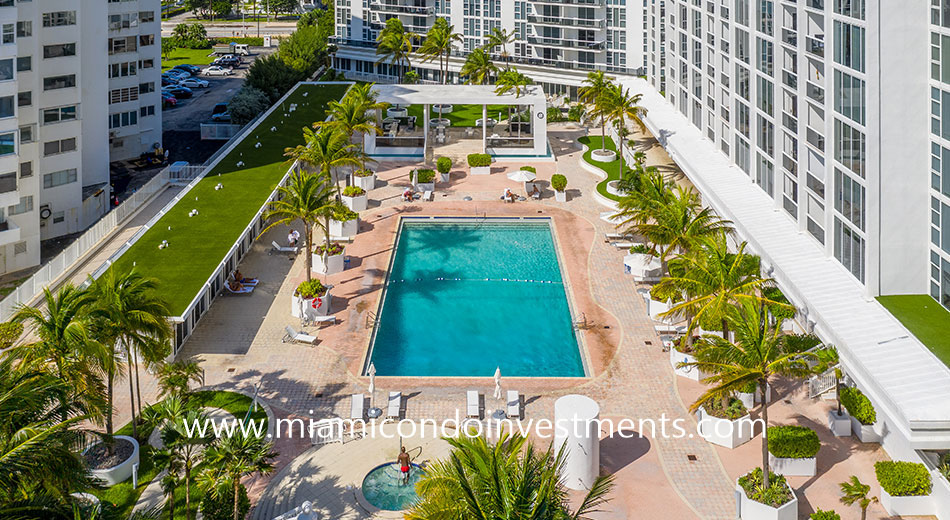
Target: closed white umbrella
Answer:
pixel 498 383
pixel 372 387
pixel 522 176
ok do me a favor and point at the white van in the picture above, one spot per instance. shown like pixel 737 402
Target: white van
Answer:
pixel 242 49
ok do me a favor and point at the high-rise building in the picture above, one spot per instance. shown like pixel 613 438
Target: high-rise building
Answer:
pixel 556 42
pixel 79 86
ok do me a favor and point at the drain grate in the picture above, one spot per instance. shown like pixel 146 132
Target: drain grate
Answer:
pixel 647 342
pixel 692 458
pixel 232 369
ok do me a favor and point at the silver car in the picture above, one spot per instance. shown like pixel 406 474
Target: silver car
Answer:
pixel 216 70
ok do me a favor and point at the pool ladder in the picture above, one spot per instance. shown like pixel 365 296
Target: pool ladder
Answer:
pixel 370 319
pixel 582 324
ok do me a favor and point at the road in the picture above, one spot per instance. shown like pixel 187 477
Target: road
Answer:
pixel 224 30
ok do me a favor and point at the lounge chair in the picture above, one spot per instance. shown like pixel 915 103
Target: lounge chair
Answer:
pixel 610 237
pixel 247 289
pixel 357 407
pixel 297 337
pixel 625 245
pixel 283 249
pixel 427 196
pixel 514 405
pixel 395 405
pixel 473 404
pixel 669 329
pixel 252 282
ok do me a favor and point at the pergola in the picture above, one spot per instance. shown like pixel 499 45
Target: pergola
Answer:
pixel 404 136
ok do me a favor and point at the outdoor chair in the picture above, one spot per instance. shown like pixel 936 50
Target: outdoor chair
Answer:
pixel 357 407
pixel 283 249
pixel 427 196
pixel 297 337
pixel 473 404
pixel 625 245
pixel 394 409
pixel 247 289
pixel 513 410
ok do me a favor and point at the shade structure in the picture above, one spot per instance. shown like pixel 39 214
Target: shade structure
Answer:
pixel 522 176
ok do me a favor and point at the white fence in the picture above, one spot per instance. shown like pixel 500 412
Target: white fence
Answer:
pixel 61 263
pixel 219 131
pixel 185 174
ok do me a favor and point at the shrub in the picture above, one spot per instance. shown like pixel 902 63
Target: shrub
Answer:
pixel 344 214
pixel 247 104
pixel 775 495
pixel 330 250
pixel 793 442
pixel 734 410
pixel 575 113
pixel 221 507
pixel 640 249
pixel 749 388
pixel 531 169
pixel 311 289
pixel 824 515
pixel 775 294
pixel 903 479
pixel 363 172
pixel 9 332
pixel 858 405
pixel 250 40
pixel 476 160
pixel 558 182
pixel 353 191
pixel 444 165
pixel 425 175
pixel 555 115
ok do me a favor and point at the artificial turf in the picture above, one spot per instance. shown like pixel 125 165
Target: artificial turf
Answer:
pixel 612 168
pixel 463 115
pixel 187 56
pixel 925 318
pixel 196 245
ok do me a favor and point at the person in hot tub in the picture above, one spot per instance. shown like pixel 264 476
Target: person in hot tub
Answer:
pixel 404 464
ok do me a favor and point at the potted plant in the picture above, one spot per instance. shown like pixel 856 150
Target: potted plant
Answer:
pixel 344 223
pixel 905 488
pixel 480 163
pixel 559 183
pixel 365 179
pixel 864 423
pixel 747 394
pixel 311 298
pixel 681 357
pixel 444 165
pixel 423 179
pixel 839 422
pixel 824 515
pixel 793 450
pixel 328 258
pixel 355 198
pixel 757 502
pixel 101 458
pixel 725 424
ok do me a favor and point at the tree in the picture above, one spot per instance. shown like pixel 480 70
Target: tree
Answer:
pixel 221 507
pixel 510 479
pixel 348 116
pixel 168 46
pixel 221 8
pixel 500 38
pixel 304 198
pixel 283 6
pixel 478 68
pixel 439 43
pixel 758 354
pixel 640 206
pixel 593 94
pixel 302 50
pixel 199 7
pixel 394 45
pixel 247 104
pixel 512 80
pixel 326 151
pixel 271 75
pixel 854 492
pixel 235 457
pixel 619 105
pixel 183 452
pixel 174 378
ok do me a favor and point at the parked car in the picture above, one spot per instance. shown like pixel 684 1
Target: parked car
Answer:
pixel 167 81
pixel 190 69
pixel 168 100
pixel 178 91
pixel 228 61
pixel 178 73
pixel 217 70
pixel 220 113
pixel 193 83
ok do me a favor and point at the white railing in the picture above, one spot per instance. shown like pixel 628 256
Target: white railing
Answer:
pixel 27 291
pixel 219 131
pixel 185 173
pixel 822 383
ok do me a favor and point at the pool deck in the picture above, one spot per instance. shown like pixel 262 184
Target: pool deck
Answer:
pixel 238 344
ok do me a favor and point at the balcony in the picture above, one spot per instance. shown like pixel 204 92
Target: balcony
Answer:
pixel 559 21
pixel 818 5
pixel 815 92
pixel 9 233
pixel 790 37
pixel 815 46
pixel 391 8
pixel 568 44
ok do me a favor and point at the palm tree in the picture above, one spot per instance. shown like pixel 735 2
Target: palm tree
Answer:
pixel 592 94
pixel 509 479
pixel 66 349
pixel 183 451
pixel 168 459
pixel 438 43
pixel 174 378
pixel 500 38
pixel 394 45
pixel 304 198
pixel 674 222
pixel 512 80
pixel 758 354
pixel 349 117
pixel 638 207
pixel 854 492
pixel 129 314
pixel 233 458
pixel 620 105
pixel 326 151
pixel 478 68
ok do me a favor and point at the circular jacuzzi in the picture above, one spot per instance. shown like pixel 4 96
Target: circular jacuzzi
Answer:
pixel 383 487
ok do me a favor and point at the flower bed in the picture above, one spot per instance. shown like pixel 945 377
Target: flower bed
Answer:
pixel 365 179
pixel 480 163
pixel 728 426
pixel 334 259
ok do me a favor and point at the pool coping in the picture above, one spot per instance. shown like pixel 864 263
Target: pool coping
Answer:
pixel 566 281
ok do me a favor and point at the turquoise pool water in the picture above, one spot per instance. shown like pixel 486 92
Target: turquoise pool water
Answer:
pixel 464 298
pixel 383 487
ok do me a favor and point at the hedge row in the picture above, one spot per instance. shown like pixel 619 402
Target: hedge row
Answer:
pixel 793 442
pixel 858 405
pixel 903 479
pixel 477 160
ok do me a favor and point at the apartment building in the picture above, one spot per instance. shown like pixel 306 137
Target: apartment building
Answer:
pixel 556 42
pixel 79 86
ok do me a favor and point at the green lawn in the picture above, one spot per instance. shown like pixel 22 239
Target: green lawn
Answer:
pixel 925 318
pixel 123 496
pixel 196 245
pixel 464 115
pixel 187 56
pixel 612 168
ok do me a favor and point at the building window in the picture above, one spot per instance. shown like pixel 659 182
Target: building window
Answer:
pixel 24 99
pixel 852 8
pixel 59 146
pixel 26 134
pixel 8 33
pixel 59 18
pixel 148 110
pixel 24 64
pixel 123 21
pixel 7 3
pixel 764 174
pixel 849 45
pixel 146 64
pixel 849 249
pixel 24 29
pixel 26 169
pixel 145 88
pixel 126 44
pixel 849 198
pixel 59 50
pixel 51 180
pixel 8 143
pixel 121 119
pixel 849 96
pixel 146 16
pixel 19 248
pixel 119 70
pixel 57 82
pixel 7 106
pixel 6 69
pixel 24 206
pixel 146 40
pixel 849 147
pixel 59 114
pixel 7 184
pixel 121 95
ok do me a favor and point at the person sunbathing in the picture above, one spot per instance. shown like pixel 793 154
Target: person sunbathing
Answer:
pixel 534 191
pixel 235 286
pixel 509 196
pixel 241 279
pixel 407 195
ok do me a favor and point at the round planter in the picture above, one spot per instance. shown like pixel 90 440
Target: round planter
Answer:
pixel 793 467
pixel 397 112
pixel 304 307
pixel 367 183
pixel 751 510
pixel 334 264
pixel 122 471
pixel 612 189
pixel 603 155
pixel 725 432
pixel 442 109
pixel 439 121
pixel 357 203
pixel 560 196
pixel 345 229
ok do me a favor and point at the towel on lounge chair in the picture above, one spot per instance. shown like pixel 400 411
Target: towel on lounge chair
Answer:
pixel 243 290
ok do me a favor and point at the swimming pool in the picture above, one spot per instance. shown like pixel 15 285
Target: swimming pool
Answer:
pixel 464 296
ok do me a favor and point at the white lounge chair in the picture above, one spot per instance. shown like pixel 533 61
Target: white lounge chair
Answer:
pixel 625 245
pixel 514 405
pixel 609 237
pixel 395 405
pixel 283 249
pixel 427 196
pixel 297 337
pixel 473 405
pixel 247 289
pixel 669 329
pixel 251 282
pixel 357 407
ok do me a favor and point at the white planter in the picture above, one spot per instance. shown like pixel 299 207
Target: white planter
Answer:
pixel 425 186
pixel 344 229
pixel 445 177
pixel 866 432
pixel 677 357
pixel 724 432
pixel 560 196
pixel 908 506
pixel 367 183
pixel 747 398
pixel 840 425
pixel 123 471
pixel 758 394
pixel 793 467
pixel 600 155
pixel 481 170
pixel 612 189
pixel 751 510
pixel 333 265
pixel 357 203
pixel 940 494
pixel 298 304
